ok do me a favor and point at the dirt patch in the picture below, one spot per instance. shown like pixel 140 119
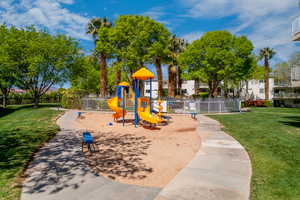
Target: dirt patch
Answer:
pixel 140 156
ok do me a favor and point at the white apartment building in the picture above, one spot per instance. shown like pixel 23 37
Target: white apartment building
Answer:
pixel 289 95
pixel 256 89
pixel 188 88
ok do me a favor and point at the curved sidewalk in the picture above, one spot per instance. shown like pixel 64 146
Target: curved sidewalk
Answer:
pixel 221 170
pixel 59 172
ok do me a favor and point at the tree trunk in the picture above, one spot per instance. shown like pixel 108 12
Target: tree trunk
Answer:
pixel 159 76
pixel 238 94
pixel 247 90
pixel 119 72
pixel 267 84
pixel 4 101
pixel 226 91
pixel 36 100
pixel 5 93
pixel 213 88
pixel 171 81
pixel 179 81
pixel 103 76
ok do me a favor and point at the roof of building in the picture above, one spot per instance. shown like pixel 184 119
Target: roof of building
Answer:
pixel 143 74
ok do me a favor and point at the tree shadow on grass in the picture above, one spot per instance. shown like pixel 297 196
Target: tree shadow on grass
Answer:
pixel 6 111
pixel 11 109
pixel 56 165
pixel 292 121
pixel 120 156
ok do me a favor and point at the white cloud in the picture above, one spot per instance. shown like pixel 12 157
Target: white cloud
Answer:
pixel 190 37
pixel 66 1
pixel 266 22
pixel 243 8
pixel 156 13
pixel 44 13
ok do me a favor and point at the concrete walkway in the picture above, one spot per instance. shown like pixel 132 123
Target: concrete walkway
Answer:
pixel 221 170
pixel 59 172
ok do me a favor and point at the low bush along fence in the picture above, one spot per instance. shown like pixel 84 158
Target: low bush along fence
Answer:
pixel 257 103
pixel 72 98
pixel 25 98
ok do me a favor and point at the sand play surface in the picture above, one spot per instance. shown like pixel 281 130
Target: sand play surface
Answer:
pixel 140 156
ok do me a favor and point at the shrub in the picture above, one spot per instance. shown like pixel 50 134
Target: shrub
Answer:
pixel 71 98
pixel 257 103
pixel 201 95
pixel 268 103
pixel 26 98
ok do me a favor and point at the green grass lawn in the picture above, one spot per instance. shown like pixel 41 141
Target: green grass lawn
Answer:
pixel 22 130
pixel 272 138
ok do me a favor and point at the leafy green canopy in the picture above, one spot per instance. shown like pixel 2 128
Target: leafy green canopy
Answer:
pixel 139 40
pixel 85 76
pixel 218 56
pixel 7 71
pixel 40 60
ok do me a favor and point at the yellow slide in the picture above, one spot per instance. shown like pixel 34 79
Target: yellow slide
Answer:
pixel 113 104
pixel 148 117
pixel 144 112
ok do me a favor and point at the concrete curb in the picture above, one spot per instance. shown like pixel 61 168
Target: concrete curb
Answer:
pixel 221 170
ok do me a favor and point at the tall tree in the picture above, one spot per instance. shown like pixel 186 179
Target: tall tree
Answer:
pixel 128 40
pixel 266 54
pixel 42 60
pixel 218 56
pixel 98 28
pixel 120 42
pixel 159 49
pixel 85 74
pixel 7 70
pixel 176 46
pixel 95 24
pixel 142 41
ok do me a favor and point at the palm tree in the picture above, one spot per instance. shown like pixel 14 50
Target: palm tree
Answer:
pixel 93 28
pixel 266 54
pixel 177 46
pixel 95 24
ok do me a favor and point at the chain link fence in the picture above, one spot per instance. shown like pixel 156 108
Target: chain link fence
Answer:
pixel 173 106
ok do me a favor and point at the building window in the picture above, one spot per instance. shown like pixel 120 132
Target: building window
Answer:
pixel 148 91
pixel 184 91
pixel 261 90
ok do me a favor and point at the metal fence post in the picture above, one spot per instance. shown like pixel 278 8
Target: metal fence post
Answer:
pixel 208 106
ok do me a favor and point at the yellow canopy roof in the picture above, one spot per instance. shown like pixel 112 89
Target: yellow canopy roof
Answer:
pixel 125 84
pixel 143 74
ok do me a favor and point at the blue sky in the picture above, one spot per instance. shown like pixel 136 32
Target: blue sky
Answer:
pixel 265 22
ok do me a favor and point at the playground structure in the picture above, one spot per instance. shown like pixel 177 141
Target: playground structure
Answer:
pixel 143 105
pixel 113 103
pixel 143 111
